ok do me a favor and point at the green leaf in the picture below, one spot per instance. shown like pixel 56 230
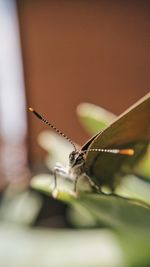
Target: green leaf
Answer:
pixel 94 118
pixel 112 210
pixel 117 212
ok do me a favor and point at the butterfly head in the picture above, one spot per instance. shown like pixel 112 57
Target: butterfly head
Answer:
pixel 76 158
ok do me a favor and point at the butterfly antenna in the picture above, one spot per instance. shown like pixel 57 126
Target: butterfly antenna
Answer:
pixel 128 152
pixel 52 126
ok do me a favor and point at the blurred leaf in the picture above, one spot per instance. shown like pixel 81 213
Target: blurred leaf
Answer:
pixel 80 217
pixel 43 182
pixel 111 210
pixel 41 248
pixel 134 188
pixel 20 207
pixel 24 247
pixel 143 167
pixel 94 118
pixel 118 212
pixel 57 147
pixel 135 246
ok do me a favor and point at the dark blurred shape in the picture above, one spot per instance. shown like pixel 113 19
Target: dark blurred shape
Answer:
pixel 52 214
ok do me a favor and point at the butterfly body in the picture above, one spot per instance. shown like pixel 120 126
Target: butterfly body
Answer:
pixel 74 172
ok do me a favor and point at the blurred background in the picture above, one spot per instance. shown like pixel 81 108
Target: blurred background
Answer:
pixel 82 51
pixel 55 55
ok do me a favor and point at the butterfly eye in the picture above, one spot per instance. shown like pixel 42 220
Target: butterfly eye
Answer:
pixel 79 158
pixel 72 157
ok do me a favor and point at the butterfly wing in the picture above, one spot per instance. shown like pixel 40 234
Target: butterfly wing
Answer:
pixel 130 130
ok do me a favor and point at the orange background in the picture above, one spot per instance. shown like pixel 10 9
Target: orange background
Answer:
pixel 78 51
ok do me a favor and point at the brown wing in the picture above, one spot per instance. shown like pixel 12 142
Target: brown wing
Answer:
pixel 130 130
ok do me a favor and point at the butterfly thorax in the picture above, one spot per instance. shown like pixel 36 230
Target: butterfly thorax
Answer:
pixel 76 163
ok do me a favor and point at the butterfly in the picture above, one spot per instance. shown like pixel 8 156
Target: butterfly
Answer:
pixel 111 153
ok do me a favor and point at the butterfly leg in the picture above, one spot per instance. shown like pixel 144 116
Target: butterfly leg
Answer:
pixel 93 184
pixel 113 184
pixel 55 180
pixel 55 191
pixel 58 170
pixel 75 184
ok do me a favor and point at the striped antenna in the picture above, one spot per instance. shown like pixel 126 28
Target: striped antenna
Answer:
pixel 128 152
pixel 52 126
